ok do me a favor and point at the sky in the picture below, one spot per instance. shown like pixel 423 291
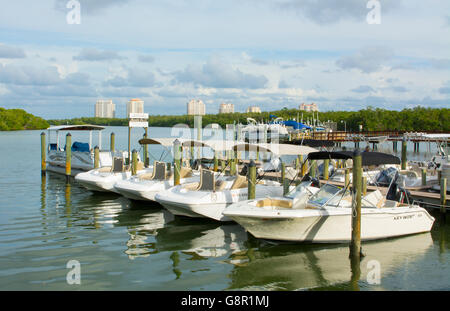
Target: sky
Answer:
pixel 341 55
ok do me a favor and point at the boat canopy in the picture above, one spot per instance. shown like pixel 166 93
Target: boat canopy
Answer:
pixel 80 127
pixel 217 145
pixel 166 142
pixel 315 143
pixel 278 149
pixel 368 158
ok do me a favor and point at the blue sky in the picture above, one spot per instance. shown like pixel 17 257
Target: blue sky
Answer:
pixel 273 54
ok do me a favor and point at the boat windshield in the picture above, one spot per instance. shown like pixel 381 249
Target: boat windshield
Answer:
pixel 301 188
pixel 325 195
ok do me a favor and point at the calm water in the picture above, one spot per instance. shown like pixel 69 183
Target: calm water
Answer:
pixel 123 245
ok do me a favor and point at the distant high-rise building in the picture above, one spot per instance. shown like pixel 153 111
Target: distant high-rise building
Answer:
pixel 135 105
pixel 104 108
pixel 254 109
pixel 195 107
pixel 308 107
pixel 226 108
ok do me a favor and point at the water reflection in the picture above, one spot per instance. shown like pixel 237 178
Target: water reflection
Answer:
pixel 294 267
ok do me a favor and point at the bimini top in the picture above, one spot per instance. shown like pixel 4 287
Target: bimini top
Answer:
pixel 315 143
pixel 217 145
pixel 166 142
pixel 368 158
pixel 80 127
pixel 278 149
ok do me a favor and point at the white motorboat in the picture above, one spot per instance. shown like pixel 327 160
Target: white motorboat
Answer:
pixel 82 159
pixel 326 216
pixel 103 179
pixel 209 197
pixel 145 187
pixel 212 194
pixel 257 132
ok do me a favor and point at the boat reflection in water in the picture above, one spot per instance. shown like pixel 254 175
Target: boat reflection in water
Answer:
pixel 293 267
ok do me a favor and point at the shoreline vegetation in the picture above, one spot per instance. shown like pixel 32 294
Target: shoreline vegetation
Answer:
pixel 19 119
pixel 373 119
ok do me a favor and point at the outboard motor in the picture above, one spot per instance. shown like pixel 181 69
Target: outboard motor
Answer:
pixel 393 189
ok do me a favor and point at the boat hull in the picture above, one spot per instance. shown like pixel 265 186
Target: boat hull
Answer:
pixel 321 226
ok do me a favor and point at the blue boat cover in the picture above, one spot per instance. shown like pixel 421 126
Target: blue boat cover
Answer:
pixel 295 125
pixel 82 147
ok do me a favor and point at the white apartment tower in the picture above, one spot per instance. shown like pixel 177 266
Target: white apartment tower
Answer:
pixel 195 107
pixel 104 108
pixel 255 109
pixel 226 108
pixel 135 105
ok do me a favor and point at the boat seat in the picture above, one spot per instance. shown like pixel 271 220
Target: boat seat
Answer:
pixel 104 169
pixel 239 183
pixel 274 202
pixel 118 165
pixel 191 186
pixel 185 172
pixel 409 174
pixel 148 176
pixel 220 185
pixel 207 181
pixel 374 199
pixel 159 169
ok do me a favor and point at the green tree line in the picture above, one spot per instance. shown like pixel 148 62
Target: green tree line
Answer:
pixel 372 119
pixel 19 119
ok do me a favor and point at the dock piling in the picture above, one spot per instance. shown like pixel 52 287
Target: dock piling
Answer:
pixel 43 154
pixel 146 157
pixel 251 180
pixel 68 157
pixel 96 157
pixel 326 166
pixel 347 177
pixel 134 162
pixel 424 177
pixel 176 162
pixel 112 143
pixel 364 185
pixel 404 148
pixel 355 244
pixel 443 197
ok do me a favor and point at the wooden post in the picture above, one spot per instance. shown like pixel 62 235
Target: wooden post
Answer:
pixel 303 168
pixel 364 185
pixel 222 165
pixel 216 162
pixel 347 177
pixel 96 157
pixel 404 147
pixel 355 245
pixel 129 145
pixel 439 173
pixel 146 157
pixel 312 169
pixel 43 154
pixel 326 164
pixel 285 185
pixel 135 162
pixel 177 162
pixel 112 143
pixel 297 163
pixel 443 197
pixel 68 157
pixel 232 167
pixel 424 177
pixel 251 180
